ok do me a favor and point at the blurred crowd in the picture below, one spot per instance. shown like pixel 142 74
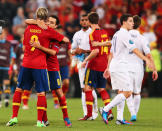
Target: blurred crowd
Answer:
pixel 68 11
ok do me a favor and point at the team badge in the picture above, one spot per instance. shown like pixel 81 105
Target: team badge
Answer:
pixel 131 42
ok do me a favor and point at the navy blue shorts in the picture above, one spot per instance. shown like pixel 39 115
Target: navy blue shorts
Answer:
pixel 64 71
pixel 55 80
pixel 27 77
pixel 94 79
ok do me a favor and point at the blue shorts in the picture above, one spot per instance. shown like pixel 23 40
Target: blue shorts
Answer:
pixel 64 71
pixel 27 77
pixel 94 79
pixel 55 80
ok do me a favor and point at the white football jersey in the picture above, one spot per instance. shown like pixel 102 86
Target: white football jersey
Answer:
pixel 81 39
pixel 135 63
pixel 122 46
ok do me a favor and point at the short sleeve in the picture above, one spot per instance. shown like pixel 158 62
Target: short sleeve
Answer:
pixel 145 46
pixel 74 41
pixel 52 34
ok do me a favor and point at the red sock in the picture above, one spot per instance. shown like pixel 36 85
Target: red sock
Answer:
pixel 25 97
pixel 65 88
pixel 63 106
pixel 45 113
pixel 89 102
pixel 55 97
pixel 41 106
pixel 16 102
pixel 105 97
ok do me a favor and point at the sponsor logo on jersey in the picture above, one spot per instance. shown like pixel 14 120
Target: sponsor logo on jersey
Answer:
pixel 131 42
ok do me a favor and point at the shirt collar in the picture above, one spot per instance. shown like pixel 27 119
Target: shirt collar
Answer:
pixel 123 29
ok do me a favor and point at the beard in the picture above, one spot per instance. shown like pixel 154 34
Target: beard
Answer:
pixel 85 27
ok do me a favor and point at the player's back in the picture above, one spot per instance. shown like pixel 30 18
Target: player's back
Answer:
pixel 35 58
pixel 141 43
pixel 122 45
pixel 99 63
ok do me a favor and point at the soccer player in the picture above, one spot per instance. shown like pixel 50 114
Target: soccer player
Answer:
pixel 7 57
pixel 97 63
pixel 118 63
pixel 81 49
pixel 53 68
pixel 34 67
pixel 136 66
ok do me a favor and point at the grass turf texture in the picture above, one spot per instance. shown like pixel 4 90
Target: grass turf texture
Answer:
pixel 149 118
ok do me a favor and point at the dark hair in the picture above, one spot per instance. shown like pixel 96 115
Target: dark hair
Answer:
pixel 124 18
pixel 137 21
pixel 84 15
pixel 57 19
pixel 93 18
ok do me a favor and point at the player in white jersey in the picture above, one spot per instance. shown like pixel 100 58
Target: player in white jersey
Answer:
pixel 136 66
pixel 81 48
pixel 121 78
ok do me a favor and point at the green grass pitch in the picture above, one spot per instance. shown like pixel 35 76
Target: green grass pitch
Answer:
pixel 149 118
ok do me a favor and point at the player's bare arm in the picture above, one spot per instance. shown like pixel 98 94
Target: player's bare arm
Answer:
pixel 154 73
pixel 40 23
pixel 79 51
pixel 91 56
pixel 107 72
pixel 105 43
pixel 46 50
pixel 141 56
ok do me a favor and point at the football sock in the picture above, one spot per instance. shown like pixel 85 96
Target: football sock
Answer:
pixel 45 113
pixel 89 102
pixel 7 92
pixel 41 106
pixel 105 97
pixel 117 100
pixel 16 102
pixel 25 97
pixel 55 98
pixel 130 104
pixel 63 106
pixel 137 100
pixel 84 104
pixel 120 110
pixel 95 100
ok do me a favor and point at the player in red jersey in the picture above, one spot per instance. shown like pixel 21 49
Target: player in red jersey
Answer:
pixel 34 67
pixel 53 68
pixel 97 63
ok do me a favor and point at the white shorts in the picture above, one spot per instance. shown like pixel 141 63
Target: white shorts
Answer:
pixel 137 82
pixel 81 72
pixel 122 81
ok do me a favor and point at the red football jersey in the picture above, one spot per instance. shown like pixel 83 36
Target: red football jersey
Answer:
pixel 99 63
pixel 33 57
pixel 52 61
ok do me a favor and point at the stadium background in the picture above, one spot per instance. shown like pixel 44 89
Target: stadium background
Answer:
pixel 68 11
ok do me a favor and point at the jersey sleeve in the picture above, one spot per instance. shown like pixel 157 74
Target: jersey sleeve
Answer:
pixel 75 43
pixel 52 34
pixel 128 42
pixel 145 46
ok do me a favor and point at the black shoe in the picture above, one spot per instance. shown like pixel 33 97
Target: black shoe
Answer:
pixel 6 104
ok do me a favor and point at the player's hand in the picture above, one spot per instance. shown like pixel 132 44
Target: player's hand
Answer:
pixel 78 51
pixel 106 74
pixel 150 65
pixel 42 24
pixel 83 64
pixel 35 44
pixel 154 75
pixel 66 40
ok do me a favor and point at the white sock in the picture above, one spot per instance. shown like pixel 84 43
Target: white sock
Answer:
pixel 130 104
pixel 120 110
pixel 84 103
pixel 117 100
pixel 95 107
pixel 137 100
